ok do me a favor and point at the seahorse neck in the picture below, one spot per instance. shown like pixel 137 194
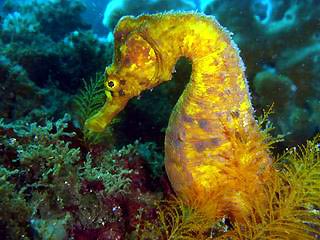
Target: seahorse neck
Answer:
pixel 217 69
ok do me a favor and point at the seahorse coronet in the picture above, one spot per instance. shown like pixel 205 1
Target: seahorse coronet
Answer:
pixel 214 152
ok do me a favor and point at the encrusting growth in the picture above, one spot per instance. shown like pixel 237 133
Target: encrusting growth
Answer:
pixel 215 155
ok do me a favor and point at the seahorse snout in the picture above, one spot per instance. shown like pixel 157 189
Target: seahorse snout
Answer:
pixel 99 121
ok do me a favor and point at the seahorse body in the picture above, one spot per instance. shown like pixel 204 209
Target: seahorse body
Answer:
pixel 214 152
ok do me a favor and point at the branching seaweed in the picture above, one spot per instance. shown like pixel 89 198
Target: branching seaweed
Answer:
pixel 91 98
pixel 266 127
pixel 291 211
pixel 114 178
pixel 178 221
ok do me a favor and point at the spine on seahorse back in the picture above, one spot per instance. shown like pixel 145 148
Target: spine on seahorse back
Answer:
pixel 213 147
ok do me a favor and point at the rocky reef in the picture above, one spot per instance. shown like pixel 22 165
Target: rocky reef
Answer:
pixel 46 51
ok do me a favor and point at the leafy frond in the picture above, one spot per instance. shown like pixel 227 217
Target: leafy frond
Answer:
pixel 266 127
pixel 301 168
pixel 88 102
pixel 178 221
pixel 91 98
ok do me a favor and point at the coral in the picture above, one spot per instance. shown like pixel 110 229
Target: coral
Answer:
pixel 63 63
pixel 21 97
pixel 152 161
pixel 15 25
pixel 74 52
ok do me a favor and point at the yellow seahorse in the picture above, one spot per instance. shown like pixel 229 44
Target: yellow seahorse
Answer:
pixel 214 152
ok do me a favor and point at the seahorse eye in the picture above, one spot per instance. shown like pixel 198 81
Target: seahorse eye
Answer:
pixel 110 84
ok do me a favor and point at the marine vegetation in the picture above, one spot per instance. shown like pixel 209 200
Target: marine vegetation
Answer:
pixel 54 186
pixel 87 102
pixel 216 157
pixel 90 98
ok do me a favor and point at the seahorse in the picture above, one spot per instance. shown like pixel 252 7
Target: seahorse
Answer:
pixel 215 155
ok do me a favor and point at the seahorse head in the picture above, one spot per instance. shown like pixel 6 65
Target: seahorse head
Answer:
pixel 133 70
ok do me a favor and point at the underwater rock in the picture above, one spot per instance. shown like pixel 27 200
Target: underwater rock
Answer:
pixel 54 229
pixel 19 96
pixel 274 89
pixel 46 53
pixel 81 55
pixel 116 9
pixel 61 59
pixel 53 18
pixel 22 98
